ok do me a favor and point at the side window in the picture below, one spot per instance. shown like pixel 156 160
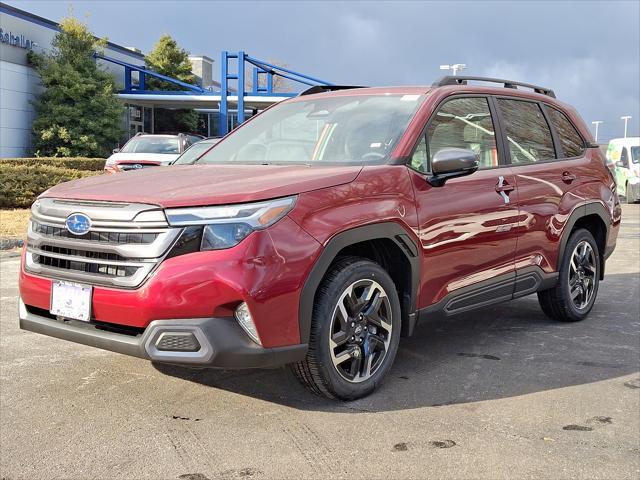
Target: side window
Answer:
pixel 419 160
pixel 624 158
pixel 463 123
pixel 527 131
pixel 572 143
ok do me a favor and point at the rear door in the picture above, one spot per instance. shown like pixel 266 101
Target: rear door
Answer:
pixel 468 226
pixel 545 171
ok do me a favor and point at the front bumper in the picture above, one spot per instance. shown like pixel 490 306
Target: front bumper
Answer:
pixel 266 271
pixel 219 342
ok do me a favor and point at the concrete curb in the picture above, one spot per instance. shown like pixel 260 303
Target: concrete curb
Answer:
pixel 9 254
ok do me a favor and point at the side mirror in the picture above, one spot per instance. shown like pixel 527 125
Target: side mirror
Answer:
pixel 450 163
pixel 116 150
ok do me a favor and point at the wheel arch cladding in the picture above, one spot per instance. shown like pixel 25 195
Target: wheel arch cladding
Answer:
pixel 387 244
pixel 594 218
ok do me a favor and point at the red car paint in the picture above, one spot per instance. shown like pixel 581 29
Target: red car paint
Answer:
pixel 194 185
pixel 465 232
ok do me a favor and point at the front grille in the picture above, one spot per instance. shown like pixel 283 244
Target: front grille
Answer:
pixel 79 266
pixel 83 253
pixel 121 251
pixel 125 167
pixel 104 237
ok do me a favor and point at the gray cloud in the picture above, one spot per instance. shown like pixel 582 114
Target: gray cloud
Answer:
pixel 588 52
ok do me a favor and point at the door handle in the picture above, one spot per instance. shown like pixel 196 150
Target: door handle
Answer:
pixel 503 188
pixel 568 177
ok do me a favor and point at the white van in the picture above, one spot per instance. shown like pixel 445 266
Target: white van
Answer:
pixel 623 155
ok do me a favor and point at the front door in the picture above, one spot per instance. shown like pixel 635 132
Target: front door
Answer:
pixel 468 227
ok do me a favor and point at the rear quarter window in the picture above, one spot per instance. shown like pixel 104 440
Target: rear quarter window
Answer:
pixel 572 143
pixel 528 133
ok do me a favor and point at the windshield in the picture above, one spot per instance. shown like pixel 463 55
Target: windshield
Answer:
pixel 166 145
pixel 339 129
pixel 193 153
pixel 635 154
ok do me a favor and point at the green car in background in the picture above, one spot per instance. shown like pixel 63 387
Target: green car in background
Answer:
pixel 623 158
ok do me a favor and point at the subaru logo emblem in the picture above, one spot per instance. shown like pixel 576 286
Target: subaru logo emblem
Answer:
pixel 136 166
pixel 78 223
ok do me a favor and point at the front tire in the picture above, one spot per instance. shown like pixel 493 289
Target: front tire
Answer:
pixel 355 331
pixel 573 297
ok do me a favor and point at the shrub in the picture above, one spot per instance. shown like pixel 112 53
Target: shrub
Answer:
pixel 74 163
pixel 20 184
pixel 77 111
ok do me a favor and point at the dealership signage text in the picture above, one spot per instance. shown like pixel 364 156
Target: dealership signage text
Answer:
pixel 16 40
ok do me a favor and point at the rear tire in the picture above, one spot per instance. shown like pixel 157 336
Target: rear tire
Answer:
pixel 573 297
pixel 355 331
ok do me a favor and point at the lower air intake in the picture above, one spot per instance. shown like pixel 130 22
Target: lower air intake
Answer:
pixel 177 342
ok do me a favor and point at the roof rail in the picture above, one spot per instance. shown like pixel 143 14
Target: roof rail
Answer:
pixel 327 88
pixel 462 80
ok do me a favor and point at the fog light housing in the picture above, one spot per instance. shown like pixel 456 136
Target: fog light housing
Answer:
pixel 244 318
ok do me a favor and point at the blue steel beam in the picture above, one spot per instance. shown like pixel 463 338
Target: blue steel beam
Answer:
pixel 260 67
pixel 276 68
pixel 224 93
pixel 128 68
pixel 241 86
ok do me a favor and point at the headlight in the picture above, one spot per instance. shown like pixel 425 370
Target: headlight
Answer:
pixel 226 226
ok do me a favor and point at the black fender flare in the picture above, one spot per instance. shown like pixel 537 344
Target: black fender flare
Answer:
pixel 592 208
pixel 385 230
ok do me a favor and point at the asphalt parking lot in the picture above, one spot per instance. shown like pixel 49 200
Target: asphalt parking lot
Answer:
pixel 499 393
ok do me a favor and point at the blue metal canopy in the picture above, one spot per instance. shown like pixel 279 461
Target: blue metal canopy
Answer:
pixel 227 94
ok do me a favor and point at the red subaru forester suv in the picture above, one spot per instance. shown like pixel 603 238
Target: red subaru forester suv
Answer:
pixel 327 227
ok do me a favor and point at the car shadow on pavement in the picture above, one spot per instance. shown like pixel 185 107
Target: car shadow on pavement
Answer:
pixel 501 351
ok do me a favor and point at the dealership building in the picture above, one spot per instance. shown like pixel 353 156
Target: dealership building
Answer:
pixel 20 32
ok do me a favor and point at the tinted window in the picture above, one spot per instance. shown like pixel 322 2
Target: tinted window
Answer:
pixel 572 144
pixel 464 123
pixel 528 134
pixel 325 129
pixel 168 145
pixel 419 160
pixel 635 154
pixel 624 159
pixel 193 153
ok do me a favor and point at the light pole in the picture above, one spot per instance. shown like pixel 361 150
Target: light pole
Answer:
pixel 626 118
pixel 597 123
pixel 455 67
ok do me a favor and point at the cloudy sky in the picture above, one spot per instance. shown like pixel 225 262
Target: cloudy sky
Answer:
pixel 587 51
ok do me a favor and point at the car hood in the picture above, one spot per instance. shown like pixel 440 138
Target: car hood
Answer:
pixel 160 158
pixel 194 185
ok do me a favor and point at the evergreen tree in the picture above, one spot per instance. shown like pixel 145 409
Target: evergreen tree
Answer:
pixel 77 113
pixel 169 59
